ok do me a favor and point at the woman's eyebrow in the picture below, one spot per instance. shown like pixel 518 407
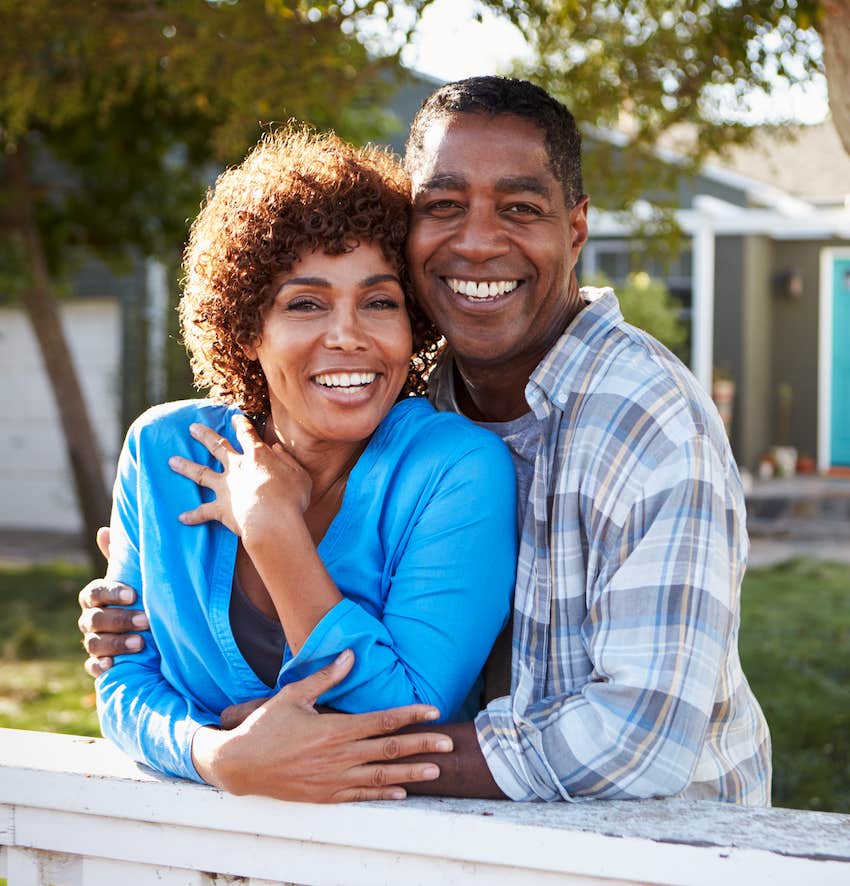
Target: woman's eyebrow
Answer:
pixel 375 279
pixel 319 282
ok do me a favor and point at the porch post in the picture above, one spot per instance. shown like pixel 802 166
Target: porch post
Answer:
pixel 702 317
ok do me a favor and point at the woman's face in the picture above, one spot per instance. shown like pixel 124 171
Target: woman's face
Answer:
pixel 335 347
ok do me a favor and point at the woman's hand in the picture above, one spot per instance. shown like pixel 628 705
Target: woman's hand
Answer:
pixel 258 489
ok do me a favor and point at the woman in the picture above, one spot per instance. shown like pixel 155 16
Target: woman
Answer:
pixel 347 514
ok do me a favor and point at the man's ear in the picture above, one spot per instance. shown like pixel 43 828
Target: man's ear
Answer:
pixel 578 223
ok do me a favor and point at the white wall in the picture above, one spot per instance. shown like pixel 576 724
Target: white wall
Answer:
pixel 36 487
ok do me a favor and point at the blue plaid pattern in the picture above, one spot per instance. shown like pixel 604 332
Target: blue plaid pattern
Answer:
pixel 625 677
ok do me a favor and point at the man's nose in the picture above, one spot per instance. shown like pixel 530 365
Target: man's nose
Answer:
pixel 480 236
pixel 346 331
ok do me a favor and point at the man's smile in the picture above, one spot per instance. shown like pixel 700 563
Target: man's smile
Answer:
pixel 481 290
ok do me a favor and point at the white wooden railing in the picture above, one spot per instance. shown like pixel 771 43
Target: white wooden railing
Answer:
pixel 76 811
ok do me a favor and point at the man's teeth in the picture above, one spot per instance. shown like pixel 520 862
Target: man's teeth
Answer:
pixel 482 290
pixel 345 379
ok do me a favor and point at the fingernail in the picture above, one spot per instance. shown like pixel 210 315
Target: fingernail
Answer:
pixel 125 595
pixel 134 644
pixel 397 795
pixel 173 462
pixel 344 657
pixel 431 772
pixel 444 744
pixel 432 715
pixel 193 429
pixel 139 620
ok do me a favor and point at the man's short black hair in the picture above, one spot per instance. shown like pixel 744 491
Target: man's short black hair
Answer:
pixel 505 95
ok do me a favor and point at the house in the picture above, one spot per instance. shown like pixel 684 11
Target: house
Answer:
pixel 764 278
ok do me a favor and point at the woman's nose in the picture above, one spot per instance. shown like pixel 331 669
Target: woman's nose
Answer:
pixel 346 332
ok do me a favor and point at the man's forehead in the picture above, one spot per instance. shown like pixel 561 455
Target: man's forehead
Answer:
pixel 438 155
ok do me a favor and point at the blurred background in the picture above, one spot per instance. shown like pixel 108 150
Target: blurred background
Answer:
pixel 717 159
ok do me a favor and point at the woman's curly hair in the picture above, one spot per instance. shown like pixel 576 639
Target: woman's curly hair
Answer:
pixel 297 191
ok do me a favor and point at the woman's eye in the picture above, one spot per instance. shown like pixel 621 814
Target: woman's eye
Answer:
pixel 303 305
pixel 384 303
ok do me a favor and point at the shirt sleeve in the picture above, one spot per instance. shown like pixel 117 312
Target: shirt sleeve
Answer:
pixel 661 615
pixel 139 710
pixel 449 597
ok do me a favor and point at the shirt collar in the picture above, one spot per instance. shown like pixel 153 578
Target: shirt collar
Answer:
pixel 555 372
pixel 555 375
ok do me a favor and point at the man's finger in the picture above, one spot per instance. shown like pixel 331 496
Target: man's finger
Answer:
pixel 97 666
pixel 113 621
pixel 103 537
pixel 204 513
pixel 98 645
pixel 102 592
pixel 233 715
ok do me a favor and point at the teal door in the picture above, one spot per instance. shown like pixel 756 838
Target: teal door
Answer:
pixel 840 438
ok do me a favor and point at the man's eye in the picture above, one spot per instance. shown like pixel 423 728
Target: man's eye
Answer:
pixel 442 206
pixel 522 209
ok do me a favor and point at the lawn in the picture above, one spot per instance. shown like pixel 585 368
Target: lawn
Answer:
pixel 795 646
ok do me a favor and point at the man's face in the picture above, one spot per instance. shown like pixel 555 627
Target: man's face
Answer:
pixel 493 245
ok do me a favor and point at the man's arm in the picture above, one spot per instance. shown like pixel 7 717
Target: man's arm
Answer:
pixel 463 771
pixel 107 629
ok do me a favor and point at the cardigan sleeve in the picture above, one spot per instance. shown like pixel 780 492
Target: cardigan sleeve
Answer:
pixel 139 710
pixel 450 596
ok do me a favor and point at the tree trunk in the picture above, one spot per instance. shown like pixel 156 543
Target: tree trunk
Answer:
pixel 834 27
pixel 42 309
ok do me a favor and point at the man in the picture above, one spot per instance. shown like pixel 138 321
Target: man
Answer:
pixel 625 676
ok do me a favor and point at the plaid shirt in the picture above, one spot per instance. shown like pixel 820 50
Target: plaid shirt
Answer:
pixel 625 678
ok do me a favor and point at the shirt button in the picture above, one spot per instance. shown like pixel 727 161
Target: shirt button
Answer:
pixel 561 398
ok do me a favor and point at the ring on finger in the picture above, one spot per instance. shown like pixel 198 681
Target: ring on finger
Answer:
pixel 221 442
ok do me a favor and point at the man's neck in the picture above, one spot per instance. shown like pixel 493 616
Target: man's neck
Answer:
pixel 485 394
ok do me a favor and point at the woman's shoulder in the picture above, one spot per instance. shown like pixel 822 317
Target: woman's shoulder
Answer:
pixel 414 424
pixel 166 419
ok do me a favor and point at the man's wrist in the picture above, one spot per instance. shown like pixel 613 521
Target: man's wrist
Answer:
pixel 209 745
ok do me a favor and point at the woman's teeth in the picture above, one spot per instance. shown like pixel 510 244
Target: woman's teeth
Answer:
pixel 481 291
pixel 345 380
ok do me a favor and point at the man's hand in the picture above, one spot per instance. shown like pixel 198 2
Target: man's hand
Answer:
pixel 108 631
pixel 285 749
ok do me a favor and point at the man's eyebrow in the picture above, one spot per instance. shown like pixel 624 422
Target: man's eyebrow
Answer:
pixel 449 181
pixel 518 183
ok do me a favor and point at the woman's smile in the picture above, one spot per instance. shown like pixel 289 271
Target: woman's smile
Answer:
pixel 335 347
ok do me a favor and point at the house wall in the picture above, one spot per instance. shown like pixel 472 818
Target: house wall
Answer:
pixel 36 486
pixel 795 341
pixel 729 322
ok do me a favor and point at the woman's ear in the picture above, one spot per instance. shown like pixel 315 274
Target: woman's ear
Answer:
pixel 249 349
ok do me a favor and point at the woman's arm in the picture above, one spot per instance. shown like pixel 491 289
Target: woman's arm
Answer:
pixel 450 591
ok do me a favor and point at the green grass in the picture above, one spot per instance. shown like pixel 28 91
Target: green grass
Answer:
pixel 42 682
pixel 795 647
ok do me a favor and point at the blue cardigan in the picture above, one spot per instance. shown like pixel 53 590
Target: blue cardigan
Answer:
pixel 423 550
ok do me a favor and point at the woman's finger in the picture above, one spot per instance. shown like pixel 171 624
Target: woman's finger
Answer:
pixel 215 444
pixel 203 475
pixel 246 433
pixel 204 513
